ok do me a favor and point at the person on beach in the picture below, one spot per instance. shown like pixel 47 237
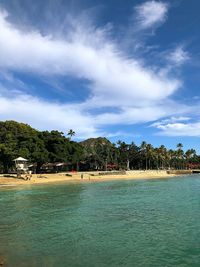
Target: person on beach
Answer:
pixel 28 176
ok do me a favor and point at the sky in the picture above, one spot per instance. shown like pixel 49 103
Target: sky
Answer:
pixel 125 70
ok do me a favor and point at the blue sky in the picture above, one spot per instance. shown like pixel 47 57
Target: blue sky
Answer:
pixel 125 70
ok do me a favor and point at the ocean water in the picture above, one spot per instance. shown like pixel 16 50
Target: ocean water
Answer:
pixel 117 223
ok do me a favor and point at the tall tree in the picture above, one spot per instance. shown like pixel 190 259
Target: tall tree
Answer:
pixel 180 155
pixel 143 150
pixel 71 133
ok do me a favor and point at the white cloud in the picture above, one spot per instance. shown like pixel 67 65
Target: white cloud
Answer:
pixel 178 127
pixel 43 115
pixel 151 13
pixel 139 93
pixel 133 115
pixel 146 114
pixel 114 79
pixel 122 134
pixel 170 120
pixel 178 56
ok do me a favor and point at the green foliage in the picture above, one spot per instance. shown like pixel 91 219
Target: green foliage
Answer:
pixel 19 139
pixel 98 152
pixel 71 133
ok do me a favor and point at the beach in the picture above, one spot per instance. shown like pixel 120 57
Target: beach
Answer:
pixel 81 177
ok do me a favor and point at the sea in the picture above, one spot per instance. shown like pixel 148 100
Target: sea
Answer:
pixel 102 224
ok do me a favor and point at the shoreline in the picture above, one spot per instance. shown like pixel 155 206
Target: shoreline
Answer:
pixel 83 177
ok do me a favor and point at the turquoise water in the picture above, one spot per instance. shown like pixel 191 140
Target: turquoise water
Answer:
pixel 117 223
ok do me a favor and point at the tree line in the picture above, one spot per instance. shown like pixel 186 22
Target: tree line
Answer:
pixel 40 147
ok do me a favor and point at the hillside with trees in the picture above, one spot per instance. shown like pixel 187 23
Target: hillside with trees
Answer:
pixel 19 139
pixel 44 147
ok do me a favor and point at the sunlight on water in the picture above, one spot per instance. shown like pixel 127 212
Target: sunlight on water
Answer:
pixel 118 223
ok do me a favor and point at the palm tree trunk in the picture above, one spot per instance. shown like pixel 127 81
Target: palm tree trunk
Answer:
pixel 146 163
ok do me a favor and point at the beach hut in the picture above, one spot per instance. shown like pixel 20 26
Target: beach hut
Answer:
pixel 21 165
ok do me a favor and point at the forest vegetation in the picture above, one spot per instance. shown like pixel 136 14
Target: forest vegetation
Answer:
pixel 42 147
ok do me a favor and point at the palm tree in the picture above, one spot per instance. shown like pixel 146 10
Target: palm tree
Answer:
pixel 156 157
pixel 143 148
pixel 179 145
pixel 149 152
pixel 162 155
pixel 124 154
pixel 190 153
pixel 171 155
pixel 119 142
pixel 71 133
pixel 180 154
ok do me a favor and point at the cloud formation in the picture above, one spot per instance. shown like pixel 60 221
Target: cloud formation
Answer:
pixel 47 116
pixel 116 80
pixel 151 13
pixel 99 61
pixel 178 56
pixel 180 126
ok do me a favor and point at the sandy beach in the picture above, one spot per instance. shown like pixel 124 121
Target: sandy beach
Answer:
pixel 82 177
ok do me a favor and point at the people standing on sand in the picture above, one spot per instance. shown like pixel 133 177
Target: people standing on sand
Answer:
pixel 28 176
pixel 81 176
